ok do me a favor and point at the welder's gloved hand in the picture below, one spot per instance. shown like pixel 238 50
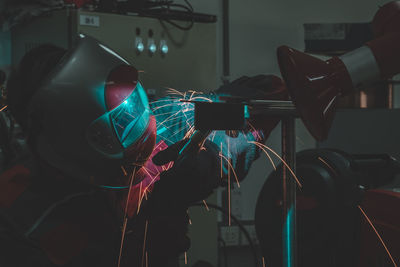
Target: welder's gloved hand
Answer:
pixel 187 182
pixel 264 87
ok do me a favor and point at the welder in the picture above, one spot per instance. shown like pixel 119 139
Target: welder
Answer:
pixel 97 191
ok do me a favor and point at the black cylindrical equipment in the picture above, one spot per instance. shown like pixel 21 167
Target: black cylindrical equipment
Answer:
pixel 327 215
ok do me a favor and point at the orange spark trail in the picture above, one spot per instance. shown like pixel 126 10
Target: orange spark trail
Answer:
pixel 284 162
pixel 122 241
pixel 191 96
pixel 213 136
pixel 201 98
pixel 254 129
pixel 129 192
pixel 175 114
pixel 229 197
pixel 231 168
pixel 125 217
pixel 3 108
pixel 144 241
pixel 146 189
pixel 269 157
pixel 162 100
pixel 172 118
pixel 185 258
pixel 163 106
pixel 174 91
pixel 378 235
pixel 164 113
pixel 327 164
pixel 124 171
pixel 140 198
pixel 263 261
pixel 205 204
pixel 189 133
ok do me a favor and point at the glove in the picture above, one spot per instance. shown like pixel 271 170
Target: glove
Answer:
pixel 166 209
pixel 265 87
pixel 193 180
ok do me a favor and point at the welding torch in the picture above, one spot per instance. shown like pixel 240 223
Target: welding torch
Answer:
pixel 229 114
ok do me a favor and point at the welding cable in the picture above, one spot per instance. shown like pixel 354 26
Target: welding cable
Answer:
pixel 241 227
pixel 163 10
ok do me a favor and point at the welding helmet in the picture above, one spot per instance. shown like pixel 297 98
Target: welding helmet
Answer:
pixel 93 117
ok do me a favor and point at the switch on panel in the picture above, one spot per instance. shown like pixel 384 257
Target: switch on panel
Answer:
pixel 139 46
pixel 151 46
pixel 164 47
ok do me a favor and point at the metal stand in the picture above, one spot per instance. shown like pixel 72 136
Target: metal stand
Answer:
pixel 287 111
pixel 289 193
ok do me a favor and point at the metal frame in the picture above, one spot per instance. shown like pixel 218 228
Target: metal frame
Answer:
pixel 287 112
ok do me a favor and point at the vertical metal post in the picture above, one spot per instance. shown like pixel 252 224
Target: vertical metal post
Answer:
pixel 289 193
pixel 225 42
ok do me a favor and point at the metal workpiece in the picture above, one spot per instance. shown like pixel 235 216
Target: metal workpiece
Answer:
pixel 288 113
pixel 272 107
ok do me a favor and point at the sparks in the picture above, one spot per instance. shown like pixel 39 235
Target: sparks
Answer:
pixel 327 164
pixel 140 198
pixel 122 241
pixel 3 108
pixel 263 261
pixel 129 192
pixel 124 171
pixel 205 204
pixel 144 241
pixel 284 162
pixel 269 157
pixel 378 235
pixel 231 168
pixel 185 258
pixel 254 130
pixel 125 217
pixel 172 91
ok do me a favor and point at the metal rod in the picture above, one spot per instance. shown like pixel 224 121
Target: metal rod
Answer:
pixel 289 193
pixel 225 41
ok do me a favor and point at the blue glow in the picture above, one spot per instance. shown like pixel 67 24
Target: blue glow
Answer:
pixel 114 187
pixel 289 236
pixel 152 48
pixel 163 129
pixel 164 49
pixel 246 112
pixel 126 115
pixel 140 47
